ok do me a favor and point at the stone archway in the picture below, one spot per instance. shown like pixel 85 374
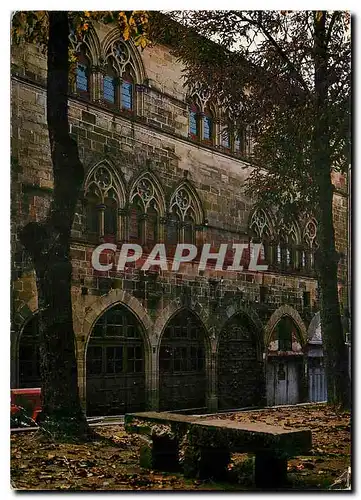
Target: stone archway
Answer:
pixel 115 298
pixel 21 319
pixel 116 364
pixel 285 338
pixel 240 366
pixel 289 311
pixel 184 358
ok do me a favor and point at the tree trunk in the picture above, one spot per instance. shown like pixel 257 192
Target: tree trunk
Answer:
pixel 338 382
pixel 49 245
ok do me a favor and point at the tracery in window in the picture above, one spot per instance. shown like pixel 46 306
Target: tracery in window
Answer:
pixel 119 83
pixel 147 207
pixel 185 212
pixel 104 195
pixel 287 253
pixel 261 229
pixel 310 244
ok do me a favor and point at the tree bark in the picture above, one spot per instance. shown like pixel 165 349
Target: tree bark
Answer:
pixel 338 382
pixel 49 245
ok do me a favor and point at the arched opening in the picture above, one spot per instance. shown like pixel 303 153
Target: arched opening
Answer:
pixel 182 367
pixel 285 370
pixel 29 358
pixel 240 371
pixel 115 364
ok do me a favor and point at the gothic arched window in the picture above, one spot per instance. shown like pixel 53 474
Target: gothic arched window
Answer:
pixel 261 230
pixel 104 196
pixel 287 256
pixel 147 205
pixel 120 75
pixel 185 212
pixel 83 74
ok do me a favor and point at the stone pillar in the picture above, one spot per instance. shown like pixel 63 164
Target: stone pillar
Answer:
pixel 96 84
pixel 161 227
pixel 81 362
pixel 139 99
pixel 122 225
pixel 101 209
pixel 212 397
pixel 270 470
pixel 153 380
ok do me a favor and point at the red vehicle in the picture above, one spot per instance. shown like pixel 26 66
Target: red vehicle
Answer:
pixel 25 405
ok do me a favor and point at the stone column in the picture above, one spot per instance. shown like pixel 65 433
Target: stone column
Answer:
pixel 139 99
pixel 161 226
pixel 153 380
pixel 212 397
pixel 122 225
pixel 101 209
pixel 96 84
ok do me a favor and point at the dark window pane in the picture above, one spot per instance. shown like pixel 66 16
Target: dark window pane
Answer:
pixel 110 218
pixel 136 223
pixel 82 78
pixel 285 335
pixel 151 226
pixel 94 360
pixel 127 95
pixel 109 88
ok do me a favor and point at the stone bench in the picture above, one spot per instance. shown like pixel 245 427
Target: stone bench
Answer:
pixel 203 446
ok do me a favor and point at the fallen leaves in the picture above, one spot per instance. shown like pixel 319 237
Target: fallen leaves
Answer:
pixel 111 462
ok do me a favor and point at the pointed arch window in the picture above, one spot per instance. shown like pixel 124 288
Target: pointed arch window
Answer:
pixel 103 193
pixel 261 229
pixel 287 248
pixel 146 205
pixel 284 334
pixel 120 77
pixel 83 74
pixel 184 214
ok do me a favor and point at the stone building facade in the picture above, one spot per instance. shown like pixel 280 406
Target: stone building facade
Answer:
pixel 160 167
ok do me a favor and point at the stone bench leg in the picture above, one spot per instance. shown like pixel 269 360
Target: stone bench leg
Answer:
pixel 159 453
pixel 270 470
pixel 206 463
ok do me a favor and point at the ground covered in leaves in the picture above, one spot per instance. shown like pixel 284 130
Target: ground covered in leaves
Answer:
pixel 110 461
